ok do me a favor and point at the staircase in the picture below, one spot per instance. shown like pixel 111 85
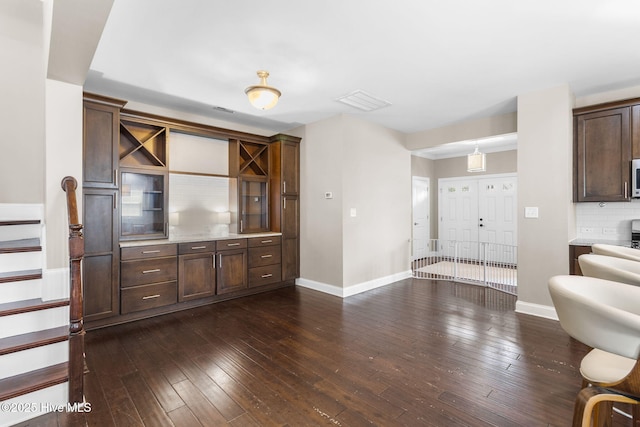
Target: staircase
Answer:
pixel 34 325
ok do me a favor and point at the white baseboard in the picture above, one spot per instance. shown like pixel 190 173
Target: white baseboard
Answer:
pixel 539 310
pixel 341 292
pixel 55 284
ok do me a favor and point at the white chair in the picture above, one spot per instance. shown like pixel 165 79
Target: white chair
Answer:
pixel 604 315
pixel 610 268
pixel 616 251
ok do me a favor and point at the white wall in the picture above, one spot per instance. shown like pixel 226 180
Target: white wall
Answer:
pixel 22 94
pixel 63 157
pixel 545 181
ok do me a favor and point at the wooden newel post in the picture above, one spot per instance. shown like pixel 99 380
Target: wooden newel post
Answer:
pixel 76 321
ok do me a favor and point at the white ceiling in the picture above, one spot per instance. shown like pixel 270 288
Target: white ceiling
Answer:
pixel 436 62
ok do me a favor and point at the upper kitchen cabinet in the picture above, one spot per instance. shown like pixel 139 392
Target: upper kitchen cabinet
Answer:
pixel 143 143
pixel 101 118
pixel 603 152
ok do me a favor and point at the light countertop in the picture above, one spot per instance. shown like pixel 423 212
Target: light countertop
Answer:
pixel 194 238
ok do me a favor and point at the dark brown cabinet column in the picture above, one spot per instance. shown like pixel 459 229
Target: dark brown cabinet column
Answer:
pixel 100 270
pixel 285 201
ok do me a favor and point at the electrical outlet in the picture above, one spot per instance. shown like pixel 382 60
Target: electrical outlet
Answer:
pixel 609 231
pixel 587 230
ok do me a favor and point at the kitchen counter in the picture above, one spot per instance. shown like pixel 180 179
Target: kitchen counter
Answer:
pixel 590 242
pixel 194 238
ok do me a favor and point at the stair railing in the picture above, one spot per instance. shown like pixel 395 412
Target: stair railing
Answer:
pixel 76 321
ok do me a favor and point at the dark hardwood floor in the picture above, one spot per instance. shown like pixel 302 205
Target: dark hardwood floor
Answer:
pixel 416 352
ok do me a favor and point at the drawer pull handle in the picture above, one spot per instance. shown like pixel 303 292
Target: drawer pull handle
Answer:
pixel 151 296
pixel 155 270
pixel 151 252
pixel 265 276
pixel 233 244
pixel 198 247
pixel 267 241
pixel 266 256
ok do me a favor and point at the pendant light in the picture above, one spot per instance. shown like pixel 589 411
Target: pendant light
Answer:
pixel 476 161
pixel 263 96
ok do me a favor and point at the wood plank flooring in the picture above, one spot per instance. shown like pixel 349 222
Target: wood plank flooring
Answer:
pixel 413 353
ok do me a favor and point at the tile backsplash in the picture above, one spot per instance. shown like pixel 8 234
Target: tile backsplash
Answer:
pixel 606 221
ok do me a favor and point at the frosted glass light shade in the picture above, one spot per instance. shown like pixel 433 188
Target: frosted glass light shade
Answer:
pixel 476 162
pixel 263 96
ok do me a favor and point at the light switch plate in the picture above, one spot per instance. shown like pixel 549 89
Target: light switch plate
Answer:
pixel 353 212
pixel 328 195
pixel 531 212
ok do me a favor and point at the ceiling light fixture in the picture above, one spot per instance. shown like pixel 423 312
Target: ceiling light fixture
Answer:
pixel 476 161
pixel 263 96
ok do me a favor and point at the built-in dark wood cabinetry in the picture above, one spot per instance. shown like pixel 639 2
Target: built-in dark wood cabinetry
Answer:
pixel 265 260
pixel 285 207
pixel 132 269
pixel 100 196
pixel 574 252
pixel 197 270
pixel 232 264
pixel 606 139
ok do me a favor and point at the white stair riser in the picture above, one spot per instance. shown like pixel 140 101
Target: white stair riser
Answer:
pixel 18 291
pixel 35 358
pixel 40 401
pixel 20 261
pixel 23 323
pixel 19 232
pixel 17 212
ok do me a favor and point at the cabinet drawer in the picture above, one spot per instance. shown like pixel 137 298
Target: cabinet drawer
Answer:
pixel 267 255
pixel 196 247
pixel 264 275
pixel 223 245
pixel 142 272
pixel 153 251
pixel 148 296
pixel 255 242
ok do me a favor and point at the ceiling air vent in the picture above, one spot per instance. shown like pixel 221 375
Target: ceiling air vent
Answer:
pixel 363 101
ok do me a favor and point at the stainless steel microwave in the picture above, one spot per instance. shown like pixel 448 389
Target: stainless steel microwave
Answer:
pixel 635 178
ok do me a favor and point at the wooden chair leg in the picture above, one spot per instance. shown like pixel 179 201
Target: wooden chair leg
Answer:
pixel 588 398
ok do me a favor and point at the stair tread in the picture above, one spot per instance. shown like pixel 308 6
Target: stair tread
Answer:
pixel 26 306
pixel 17 276
pixel 19 222
pixel 33 339
pixel 29 382
pixel 22 245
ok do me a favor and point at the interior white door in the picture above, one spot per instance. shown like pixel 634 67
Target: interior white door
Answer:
pixel 497 210
pixel 421 228
pixel 458 210
pixel 497 207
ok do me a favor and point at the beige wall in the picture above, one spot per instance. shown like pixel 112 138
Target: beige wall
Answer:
pixel 367 168
pixel 321 234
pixel 22 113
pixel 376 171
pixel 473 129
pixel 544 181
pixel 503 162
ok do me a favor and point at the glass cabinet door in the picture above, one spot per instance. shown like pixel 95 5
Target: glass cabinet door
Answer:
pixel 143 205
pixel 254 205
